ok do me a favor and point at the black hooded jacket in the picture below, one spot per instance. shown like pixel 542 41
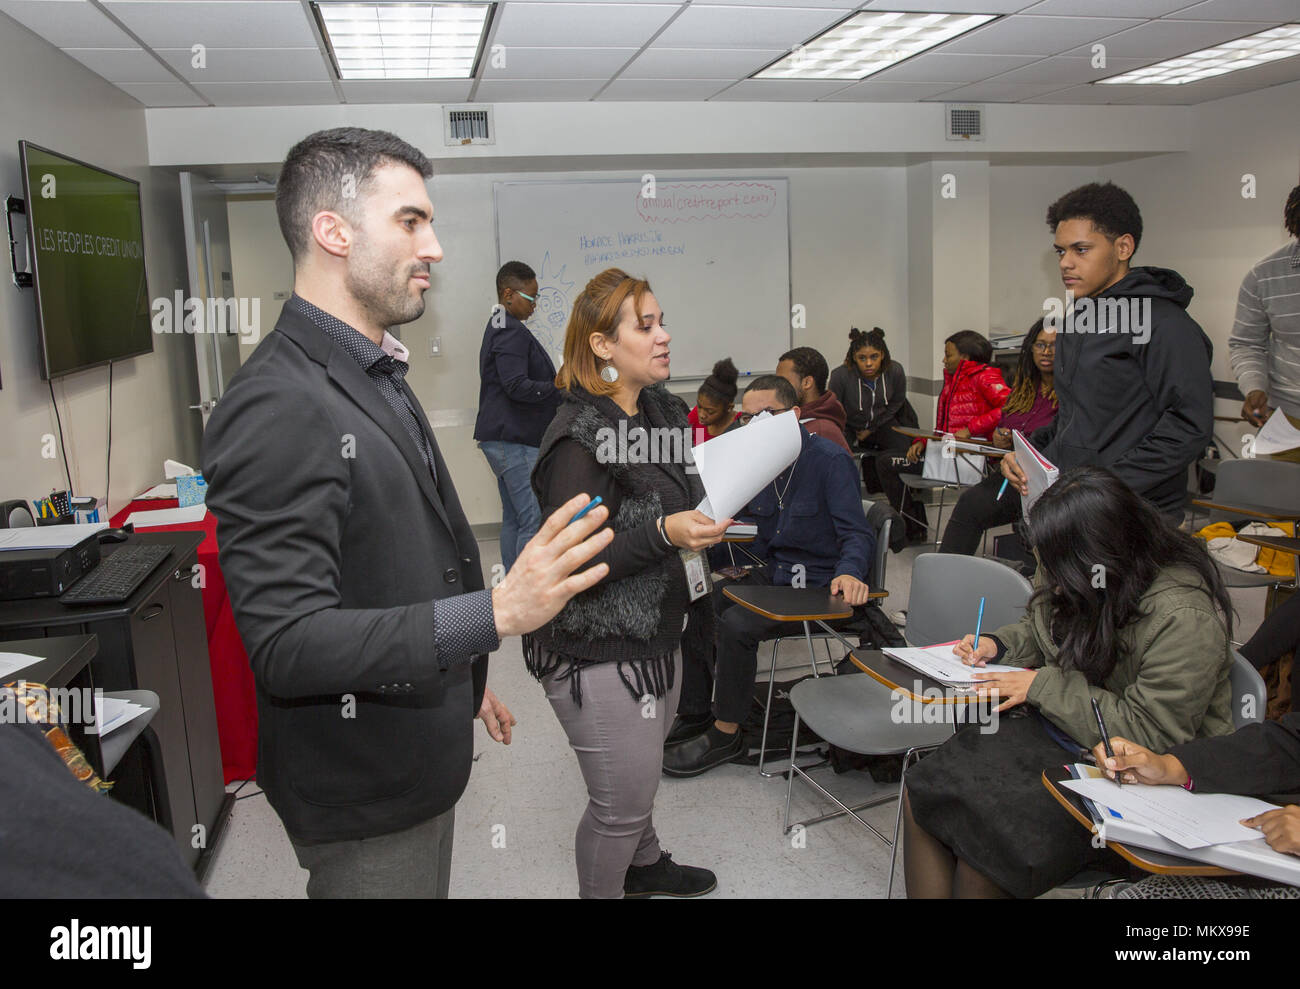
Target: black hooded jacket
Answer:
pixel 1141 401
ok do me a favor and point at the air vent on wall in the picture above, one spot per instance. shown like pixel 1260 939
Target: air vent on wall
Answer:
pixel 963 122
pixel 468 125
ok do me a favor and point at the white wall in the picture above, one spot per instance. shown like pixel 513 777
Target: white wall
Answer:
pixel 54 101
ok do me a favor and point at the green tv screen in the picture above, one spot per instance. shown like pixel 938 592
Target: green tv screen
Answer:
pixel 87 243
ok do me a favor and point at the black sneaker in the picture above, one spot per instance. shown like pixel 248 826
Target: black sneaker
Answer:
pixel 686 726
pixel 667 878
pixel 702 753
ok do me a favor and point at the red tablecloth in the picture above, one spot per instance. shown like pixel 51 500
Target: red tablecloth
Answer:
pixel 232 677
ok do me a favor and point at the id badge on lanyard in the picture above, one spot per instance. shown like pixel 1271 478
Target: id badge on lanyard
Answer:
pixel 697 573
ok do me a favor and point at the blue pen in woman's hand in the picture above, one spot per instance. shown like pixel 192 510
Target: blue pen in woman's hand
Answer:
pixel 588 507
pixel 1002 489
pixel 979 620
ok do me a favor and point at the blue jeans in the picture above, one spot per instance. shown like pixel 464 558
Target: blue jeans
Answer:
pixel 521 517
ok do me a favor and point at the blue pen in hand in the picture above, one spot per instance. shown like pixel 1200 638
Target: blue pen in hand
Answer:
pixel 586 508
pixel 1002 490
pixel 979 620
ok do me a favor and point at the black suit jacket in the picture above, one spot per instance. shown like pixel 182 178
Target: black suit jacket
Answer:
pixel 334 543
pixel 517 397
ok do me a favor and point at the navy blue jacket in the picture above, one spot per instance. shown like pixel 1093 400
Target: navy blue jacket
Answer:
pixel 822 525
pixel 517 397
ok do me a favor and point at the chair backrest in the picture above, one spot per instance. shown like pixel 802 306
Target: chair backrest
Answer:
pixel 1256 481
pixel 881 518
pixel 945 597
pixel 1249 695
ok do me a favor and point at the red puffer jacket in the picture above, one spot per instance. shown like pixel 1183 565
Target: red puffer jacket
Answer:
pixel 972 398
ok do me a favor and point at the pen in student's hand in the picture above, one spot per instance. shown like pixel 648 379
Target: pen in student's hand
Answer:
pixel 1105 739
pixel 978 622
pixel 1002 489
pixel 588 507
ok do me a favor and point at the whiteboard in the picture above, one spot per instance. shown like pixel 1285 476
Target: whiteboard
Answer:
pixel 716 253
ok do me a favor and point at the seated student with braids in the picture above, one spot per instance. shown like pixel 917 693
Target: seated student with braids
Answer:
pixel 970 404
pixel 715 403
pixel 1030 405
pixel 872 387
pixel 1149 642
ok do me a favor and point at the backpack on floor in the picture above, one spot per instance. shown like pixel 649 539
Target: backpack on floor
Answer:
pixel 780 727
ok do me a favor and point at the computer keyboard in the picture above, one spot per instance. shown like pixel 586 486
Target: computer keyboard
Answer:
pixel 118 575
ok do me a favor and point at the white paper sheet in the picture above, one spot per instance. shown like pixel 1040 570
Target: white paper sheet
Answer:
pixel 736 465
pixel 1277 435
pixel 174 468
pixel 159 491
pixel 940 663
pixel 1040 473
pixel 48 536
pixel 111 713
pixel 12 662
pixel 1193 820
pixel 167 516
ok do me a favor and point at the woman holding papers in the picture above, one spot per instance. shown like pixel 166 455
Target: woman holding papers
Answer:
pixel 611 659
pixel 1257 760
pixel 1030 405
pixel 1129 612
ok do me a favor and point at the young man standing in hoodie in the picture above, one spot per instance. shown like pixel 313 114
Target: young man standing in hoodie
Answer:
pixel 1132 368
pixel 821 412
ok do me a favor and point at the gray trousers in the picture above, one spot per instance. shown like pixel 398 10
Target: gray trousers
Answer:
pixel 410 864
pixel 619 742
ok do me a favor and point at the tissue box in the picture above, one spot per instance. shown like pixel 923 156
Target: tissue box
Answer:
pixel 191 489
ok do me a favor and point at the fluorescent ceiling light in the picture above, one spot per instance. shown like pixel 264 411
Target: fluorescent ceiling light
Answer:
pixel 1267 46
pixel 868 42
pixel 404 40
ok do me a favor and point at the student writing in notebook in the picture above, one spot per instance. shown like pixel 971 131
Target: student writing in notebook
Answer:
pixel 1127 611
pixel 1257 761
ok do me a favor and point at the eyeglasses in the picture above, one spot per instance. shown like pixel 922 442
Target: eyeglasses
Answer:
pixel 745 417
pixel 530 298
pixel 1039 348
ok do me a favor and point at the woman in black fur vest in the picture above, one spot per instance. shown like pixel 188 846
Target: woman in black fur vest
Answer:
pixel 610 661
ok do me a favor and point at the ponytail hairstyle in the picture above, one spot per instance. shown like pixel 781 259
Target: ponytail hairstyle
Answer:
pixel 875 340
pixel 1028 380
pixel 721 384
pixel 972 346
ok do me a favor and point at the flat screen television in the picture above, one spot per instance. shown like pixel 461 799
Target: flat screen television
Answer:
pixel 86 238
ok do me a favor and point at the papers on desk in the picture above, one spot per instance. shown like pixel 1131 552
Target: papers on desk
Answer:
pixel 12 662
pixel 737 465
pixel 167 516
pixel 1040 473
pixel 164 490
pixel 48 536
pixel 111 713
pixel 938 663
pixel 1277 435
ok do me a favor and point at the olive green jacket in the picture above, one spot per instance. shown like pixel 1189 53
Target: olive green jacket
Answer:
pixel 1169 685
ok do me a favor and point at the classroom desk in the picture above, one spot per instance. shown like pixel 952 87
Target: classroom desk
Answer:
pixel 1287 544
pixel 986 449
pixel 1148 860
pixel 911 683
pixel 62 661
pixel 233 692
pixel 1249 508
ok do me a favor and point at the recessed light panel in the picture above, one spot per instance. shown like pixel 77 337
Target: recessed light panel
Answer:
pixel 1267 46
pixel 404 40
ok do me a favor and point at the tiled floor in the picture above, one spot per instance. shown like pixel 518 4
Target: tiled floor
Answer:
pixel 515 823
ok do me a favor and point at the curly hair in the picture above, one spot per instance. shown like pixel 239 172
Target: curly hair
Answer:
pixel 1110 208
pixel 1291 214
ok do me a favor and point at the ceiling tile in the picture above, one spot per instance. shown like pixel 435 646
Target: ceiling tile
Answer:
pixel 556 63
pixel 1068 70
pixel 1276 11
pixel 700 63
pixel 947 67
pixel 163 94
pixel 529 90
pixel 216 23
pixel 250 64
pixel 407 91
pixel 268 93
pixel 661 89
pixel 122 65
pixel 782 90
pixel 1166 38
pixel 580 25
pixel 713 26
pixel 1080 95
pixel 950 6
pixel 1187 95
pixel 870 91
pixel 1037 35
pixel 1107 8
pixel 999 92
pixel 845 5
pixel 68 23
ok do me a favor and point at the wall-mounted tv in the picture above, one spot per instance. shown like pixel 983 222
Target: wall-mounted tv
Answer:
pixel 86 236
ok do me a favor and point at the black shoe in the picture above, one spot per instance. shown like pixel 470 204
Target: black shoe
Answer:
pixel 667 878
pixel 702 753
pixel 687 726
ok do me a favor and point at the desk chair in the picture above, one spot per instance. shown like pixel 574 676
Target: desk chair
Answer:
pixel 1249 484
pixel 113 747
pixel 943 604
pixel 880 517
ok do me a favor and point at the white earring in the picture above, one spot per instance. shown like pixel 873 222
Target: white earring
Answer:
pixel 609 374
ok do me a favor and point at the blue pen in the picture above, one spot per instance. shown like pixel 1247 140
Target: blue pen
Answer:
pixel 1002 489
pixel 978 622
pixel 588 507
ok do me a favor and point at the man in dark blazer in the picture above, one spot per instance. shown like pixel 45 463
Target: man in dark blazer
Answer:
pixel 517 399
pixel 352 570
